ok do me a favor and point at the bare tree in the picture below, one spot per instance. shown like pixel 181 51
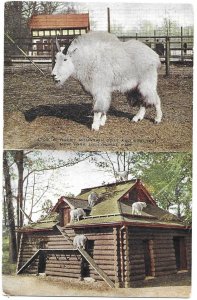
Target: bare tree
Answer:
pixel 10 209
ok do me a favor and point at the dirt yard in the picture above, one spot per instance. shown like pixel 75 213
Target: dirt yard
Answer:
pixel 38 115
pixel 24 285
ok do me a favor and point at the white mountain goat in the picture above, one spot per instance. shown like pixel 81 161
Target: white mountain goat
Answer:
pixel 103 64
pixel 92 199
pixel 122 175
pixel 76 214
pixel 79 241
pixel 137 208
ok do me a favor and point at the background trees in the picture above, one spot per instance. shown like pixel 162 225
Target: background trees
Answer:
pixel 168 176
pixel 31 185
pixel 28 177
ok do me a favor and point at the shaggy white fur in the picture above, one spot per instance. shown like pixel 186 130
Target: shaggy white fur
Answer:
pixel 79 241
pixel 137 208
pixel 103 64
pixel 76 214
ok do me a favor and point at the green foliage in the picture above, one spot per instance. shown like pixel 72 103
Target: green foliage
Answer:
pixel 169 179
pixel 7 267
pixel 168 176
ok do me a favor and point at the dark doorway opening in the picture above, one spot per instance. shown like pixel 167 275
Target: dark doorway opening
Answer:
pixel 42 258
pixel 42 262
pixel 148 259
pixel 85 265
pixel 180 253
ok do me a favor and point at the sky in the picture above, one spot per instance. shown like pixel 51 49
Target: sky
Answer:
pixel 63 181
pixel 130 16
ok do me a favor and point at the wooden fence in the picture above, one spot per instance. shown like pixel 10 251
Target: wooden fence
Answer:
pixel 171 49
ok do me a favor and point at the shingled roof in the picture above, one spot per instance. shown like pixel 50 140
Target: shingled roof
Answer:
pixel 45 223
pixel 72 202
pixel 113 207
pixel 59 21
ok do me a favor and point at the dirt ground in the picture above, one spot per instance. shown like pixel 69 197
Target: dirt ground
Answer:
pixel 24 285
pixel 38 115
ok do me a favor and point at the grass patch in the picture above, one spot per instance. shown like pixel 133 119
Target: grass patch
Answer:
pixel 7 267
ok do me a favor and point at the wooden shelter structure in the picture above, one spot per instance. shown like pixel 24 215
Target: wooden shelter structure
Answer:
pixel 44 28
pixel 122 248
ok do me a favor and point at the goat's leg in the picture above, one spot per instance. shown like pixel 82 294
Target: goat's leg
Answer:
pixel 140 114
pixel 96 121
pixel 158 110
pixel 103 119
pixel 148 89
pixel 101 106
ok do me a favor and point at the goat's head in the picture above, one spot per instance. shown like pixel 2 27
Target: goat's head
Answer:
pixel 64 66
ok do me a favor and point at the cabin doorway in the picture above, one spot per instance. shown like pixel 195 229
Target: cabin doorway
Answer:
pixel 148 259
pixel 42 258
pixel 85 264
pixel 180 253
pixel 42 262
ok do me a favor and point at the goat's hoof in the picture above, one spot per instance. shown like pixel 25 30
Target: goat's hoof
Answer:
pixel 136 119
pixel 95 127
pixel 103 120
pixel 156 122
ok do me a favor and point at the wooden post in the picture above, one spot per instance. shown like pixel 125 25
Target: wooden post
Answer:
pixel 167 56
pixel 127 263
pixel 108 20
pixel 182 58
pixel 154 39
pixel 116 258
pixel 52 53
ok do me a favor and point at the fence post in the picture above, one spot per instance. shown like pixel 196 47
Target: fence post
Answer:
pixel 52 53
pixel 108 20
pixel 182 58
pixel 167 56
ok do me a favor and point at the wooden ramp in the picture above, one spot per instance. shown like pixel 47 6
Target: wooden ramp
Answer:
pixel 96 267
pixel 36 254
pixel 47 251
pixel 89 259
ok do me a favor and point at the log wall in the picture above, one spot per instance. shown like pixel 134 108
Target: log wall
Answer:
pixel 56 264
pixel 162 252
pixel 104 251
pixel 119 252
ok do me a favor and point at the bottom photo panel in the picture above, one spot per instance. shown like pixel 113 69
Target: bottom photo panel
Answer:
pixel 114 224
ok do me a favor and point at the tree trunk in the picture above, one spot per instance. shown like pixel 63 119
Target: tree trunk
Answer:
pixel 19 162
pixel 18 158
pixel 10 208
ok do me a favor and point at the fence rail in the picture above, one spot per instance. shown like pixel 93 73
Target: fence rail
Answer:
pixel 176 48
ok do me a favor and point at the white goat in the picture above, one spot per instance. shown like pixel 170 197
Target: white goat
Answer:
pixel 137 208
pixel 103 64
pixel 79 241
pixel 92 199
pixel 122 175
pixel 76 214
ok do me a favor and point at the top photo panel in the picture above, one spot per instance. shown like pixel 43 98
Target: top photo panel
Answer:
pixel 98 76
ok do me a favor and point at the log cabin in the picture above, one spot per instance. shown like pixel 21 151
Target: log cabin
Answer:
pixel 122 248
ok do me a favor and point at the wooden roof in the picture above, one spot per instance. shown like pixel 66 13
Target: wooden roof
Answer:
pixel 71 202
pixel 114 208
pixel 59 21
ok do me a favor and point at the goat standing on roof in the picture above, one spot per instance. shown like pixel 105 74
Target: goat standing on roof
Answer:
pixel 76 214
pixel 137 208
pixel 103 64
pixel 122 175
pixel 92 199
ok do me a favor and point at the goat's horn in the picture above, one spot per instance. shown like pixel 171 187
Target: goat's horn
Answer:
pixel 57 44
